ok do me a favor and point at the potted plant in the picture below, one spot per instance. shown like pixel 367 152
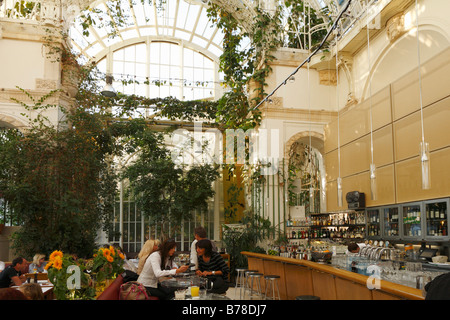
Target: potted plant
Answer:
pixel 68 285
pixel 106 264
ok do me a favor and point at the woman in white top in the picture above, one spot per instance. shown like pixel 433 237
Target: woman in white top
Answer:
pixel 160 264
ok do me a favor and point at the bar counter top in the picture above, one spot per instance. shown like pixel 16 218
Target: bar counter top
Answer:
pixel 340 279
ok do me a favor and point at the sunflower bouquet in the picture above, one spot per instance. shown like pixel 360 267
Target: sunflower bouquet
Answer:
pixel 68 277
pixel 107 263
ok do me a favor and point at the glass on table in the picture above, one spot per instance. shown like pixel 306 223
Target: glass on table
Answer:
pixel 195 291
pixel 180 294
pixel 202 293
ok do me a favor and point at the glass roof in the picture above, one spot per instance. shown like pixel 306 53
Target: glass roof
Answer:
pixel 180 21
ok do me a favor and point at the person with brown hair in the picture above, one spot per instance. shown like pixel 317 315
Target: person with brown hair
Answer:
pixel 199 234
pixel 212 266
pixel 11 294
pixel 12 275
pixel 160 264
pixel 32 291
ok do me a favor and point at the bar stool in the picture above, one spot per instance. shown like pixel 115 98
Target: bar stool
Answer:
pixel 257 277
pixel 246 279
pixel 271 283
pixel 240 280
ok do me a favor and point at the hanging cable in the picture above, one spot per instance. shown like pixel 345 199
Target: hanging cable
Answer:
pixel 339 179
pixel 373 177
pixel 308 58
pixel 424 146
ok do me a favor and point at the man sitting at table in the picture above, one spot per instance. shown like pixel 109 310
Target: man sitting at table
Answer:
pixel 12 274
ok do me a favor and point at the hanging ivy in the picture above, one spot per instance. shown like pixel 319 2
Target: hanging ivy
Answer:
pixel 244 69
pixel 304 171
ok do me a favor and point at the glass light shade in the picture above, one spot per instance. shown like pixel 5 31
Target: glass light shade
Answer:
pixel 311 199
pixel 425 163
pixel 108 90
pixel 339 192
pixel 373 182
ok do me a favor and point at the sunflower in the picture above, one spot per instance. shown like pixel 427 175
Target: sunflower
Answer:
pixel 48 265
pixel 55 254
pixel 109 258
pixel 57 263
pixel 106 252
pixel 111 248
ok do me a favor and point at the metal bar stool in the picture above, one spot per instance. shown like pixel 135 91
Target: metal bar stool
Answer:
pixel 246 279
pixel 271 283
pixel 257 277
pixel 240 281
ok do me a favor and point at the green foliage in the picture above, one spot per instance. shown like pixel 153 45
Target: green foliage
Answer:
pixel 164 190
pixel 58 182
pixel 300 12
pixel 244 68
pixel 62 274
pixel 254 229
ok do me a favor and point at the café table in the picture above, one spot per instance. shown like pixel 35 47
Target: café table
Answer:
pixel 209 296
pixel 183 281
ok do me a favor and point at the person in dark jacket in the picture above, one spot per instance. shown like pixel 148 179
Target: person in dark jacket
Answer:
pixel 212 266
pixel 439 288
pixel 12 274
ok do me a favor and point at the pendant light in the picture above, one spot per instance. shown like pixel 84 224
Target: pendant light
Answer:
pixel 311 171
pixel 339 179
pixel 108 90
pixel 424 146
pixel 373 176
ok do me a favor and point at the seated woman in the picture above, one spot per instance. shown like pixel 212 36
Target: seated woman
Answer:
pixel 212 266
pixel 160 264
pixel 149 247
pixel 38 264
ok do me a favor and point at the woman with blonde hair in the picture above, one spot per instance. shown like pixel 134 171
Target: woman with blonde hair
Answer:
pixel 149 247
pixel 38 264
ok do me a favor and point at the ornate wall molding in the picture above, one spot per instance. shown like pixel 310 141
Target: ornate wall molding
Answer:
pixel 45 84
pixel 327 77
pixel 395 27
pixel 12 122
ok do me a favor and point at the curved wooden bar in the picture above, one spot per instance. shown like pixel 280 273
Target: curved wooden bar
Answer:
pixel 302 277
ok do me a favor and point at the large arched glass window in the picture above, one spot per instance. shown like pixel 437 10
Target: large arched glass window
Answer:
pixel 159 49
pixel 160 69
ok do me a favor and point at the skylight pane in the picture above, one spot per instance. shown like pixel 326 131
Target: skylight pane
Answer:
pixel 202 43
pixel 192 17
pixel 147 31
pixel 202 22
pixel 96 48
pixel 218 37
pixel 182 14
pixel 182 35
pixel 209 31
pixel 216 51
pixel 139 13
pixel 129 34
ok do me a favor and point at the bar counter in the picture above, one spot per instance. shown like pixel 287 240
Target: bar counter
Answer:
pixel 302 277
